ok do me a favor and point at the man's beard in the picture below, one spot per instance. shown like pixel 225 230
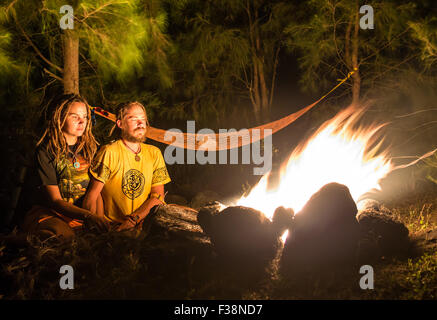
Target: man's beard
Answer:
pixel 136 139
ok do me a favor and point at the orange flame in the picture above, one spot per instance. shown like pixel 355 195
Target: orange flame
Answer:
pixel 338 152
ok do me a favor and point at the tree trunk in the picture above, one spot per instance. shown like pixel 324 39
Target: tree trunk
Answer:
pixel 347 48
pixel 71 62
pixel 263 91
pixel 264 94
pixel 255 95
pixel 259 94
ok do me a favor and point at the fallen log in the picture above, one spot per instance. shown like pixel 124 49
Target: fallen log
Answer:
pixel 176 221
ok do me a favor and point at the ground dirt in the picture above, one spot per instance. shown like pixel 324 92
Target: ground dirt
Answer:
pixel 169 265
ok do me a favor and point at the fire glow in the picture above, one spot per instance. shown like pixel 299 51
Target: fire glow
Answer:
pixel 339 151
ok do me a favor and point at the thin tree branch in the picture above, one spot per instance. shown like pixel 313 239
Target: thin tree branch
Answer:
pixel 97 76
pixel 392 67
pixel 86 16
pixel 46 85
pixel 35 48
pixel 43 88
pixel 10 5
pixel 383 47
pixel 335 38
pixel 53 75
pixel 27 77
pixel 275 65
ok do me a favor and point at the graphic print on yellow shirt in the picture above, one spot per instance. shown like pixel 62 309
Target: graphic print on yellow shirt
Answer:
pixel 127 182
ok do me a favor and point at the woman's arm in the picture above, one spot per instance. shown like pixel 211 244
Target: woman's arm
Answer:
pixel 93 198
pixel 63 207
pixel 72 211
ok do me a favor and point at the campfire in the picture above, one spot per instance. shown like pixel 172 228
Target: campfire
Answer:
pixel 340 151
pixel 317 201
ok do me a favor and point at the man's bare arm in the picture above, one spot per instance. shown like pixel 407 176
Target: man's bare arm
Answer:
pixel 100 206
pixel 144 209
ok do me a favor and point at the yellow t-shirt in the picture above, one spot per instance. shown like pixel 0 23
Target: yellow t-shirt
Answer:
pixel 127 182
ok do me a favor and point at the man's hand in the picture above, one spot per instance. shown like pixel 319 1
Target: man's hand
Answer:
pixel 142 212
pixel 93 221
pixel 128 223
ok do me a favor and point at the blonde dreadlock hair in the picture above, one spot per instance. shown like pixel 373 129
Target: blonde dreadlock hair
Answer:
pixel 56 142
pixel 121 112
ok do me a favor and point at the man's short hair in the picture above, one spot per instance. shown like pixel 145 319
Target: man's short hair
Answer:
pixel 123 108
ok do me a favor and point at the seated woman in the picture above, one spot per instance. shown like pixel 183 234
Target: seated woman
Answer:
pixel 63 156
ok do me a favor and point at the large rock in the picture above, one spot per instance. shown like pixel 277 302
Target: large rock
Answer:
pixel 381 234
pixel 244 235
pixel 325 232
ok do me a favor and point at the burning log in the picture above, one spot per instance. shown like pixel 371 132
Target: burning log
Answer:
pixel 325 232
pixel 244 235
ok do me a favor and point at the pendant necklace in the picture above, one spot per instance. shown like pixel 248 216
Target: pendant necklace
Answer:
pixel 137 157
pixel 76 163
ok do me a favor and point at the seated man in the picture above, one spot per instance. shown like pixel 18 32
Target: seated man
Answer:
pixel 129 174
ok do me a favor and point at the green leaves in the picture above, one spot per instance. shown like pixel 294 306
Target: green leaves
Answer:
pixel 324 40
pixel 426 33
pixel 115 35
pixel 421 276
pixel 204 51
pixel 431 168
pixel 121 39
pixel 12 70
